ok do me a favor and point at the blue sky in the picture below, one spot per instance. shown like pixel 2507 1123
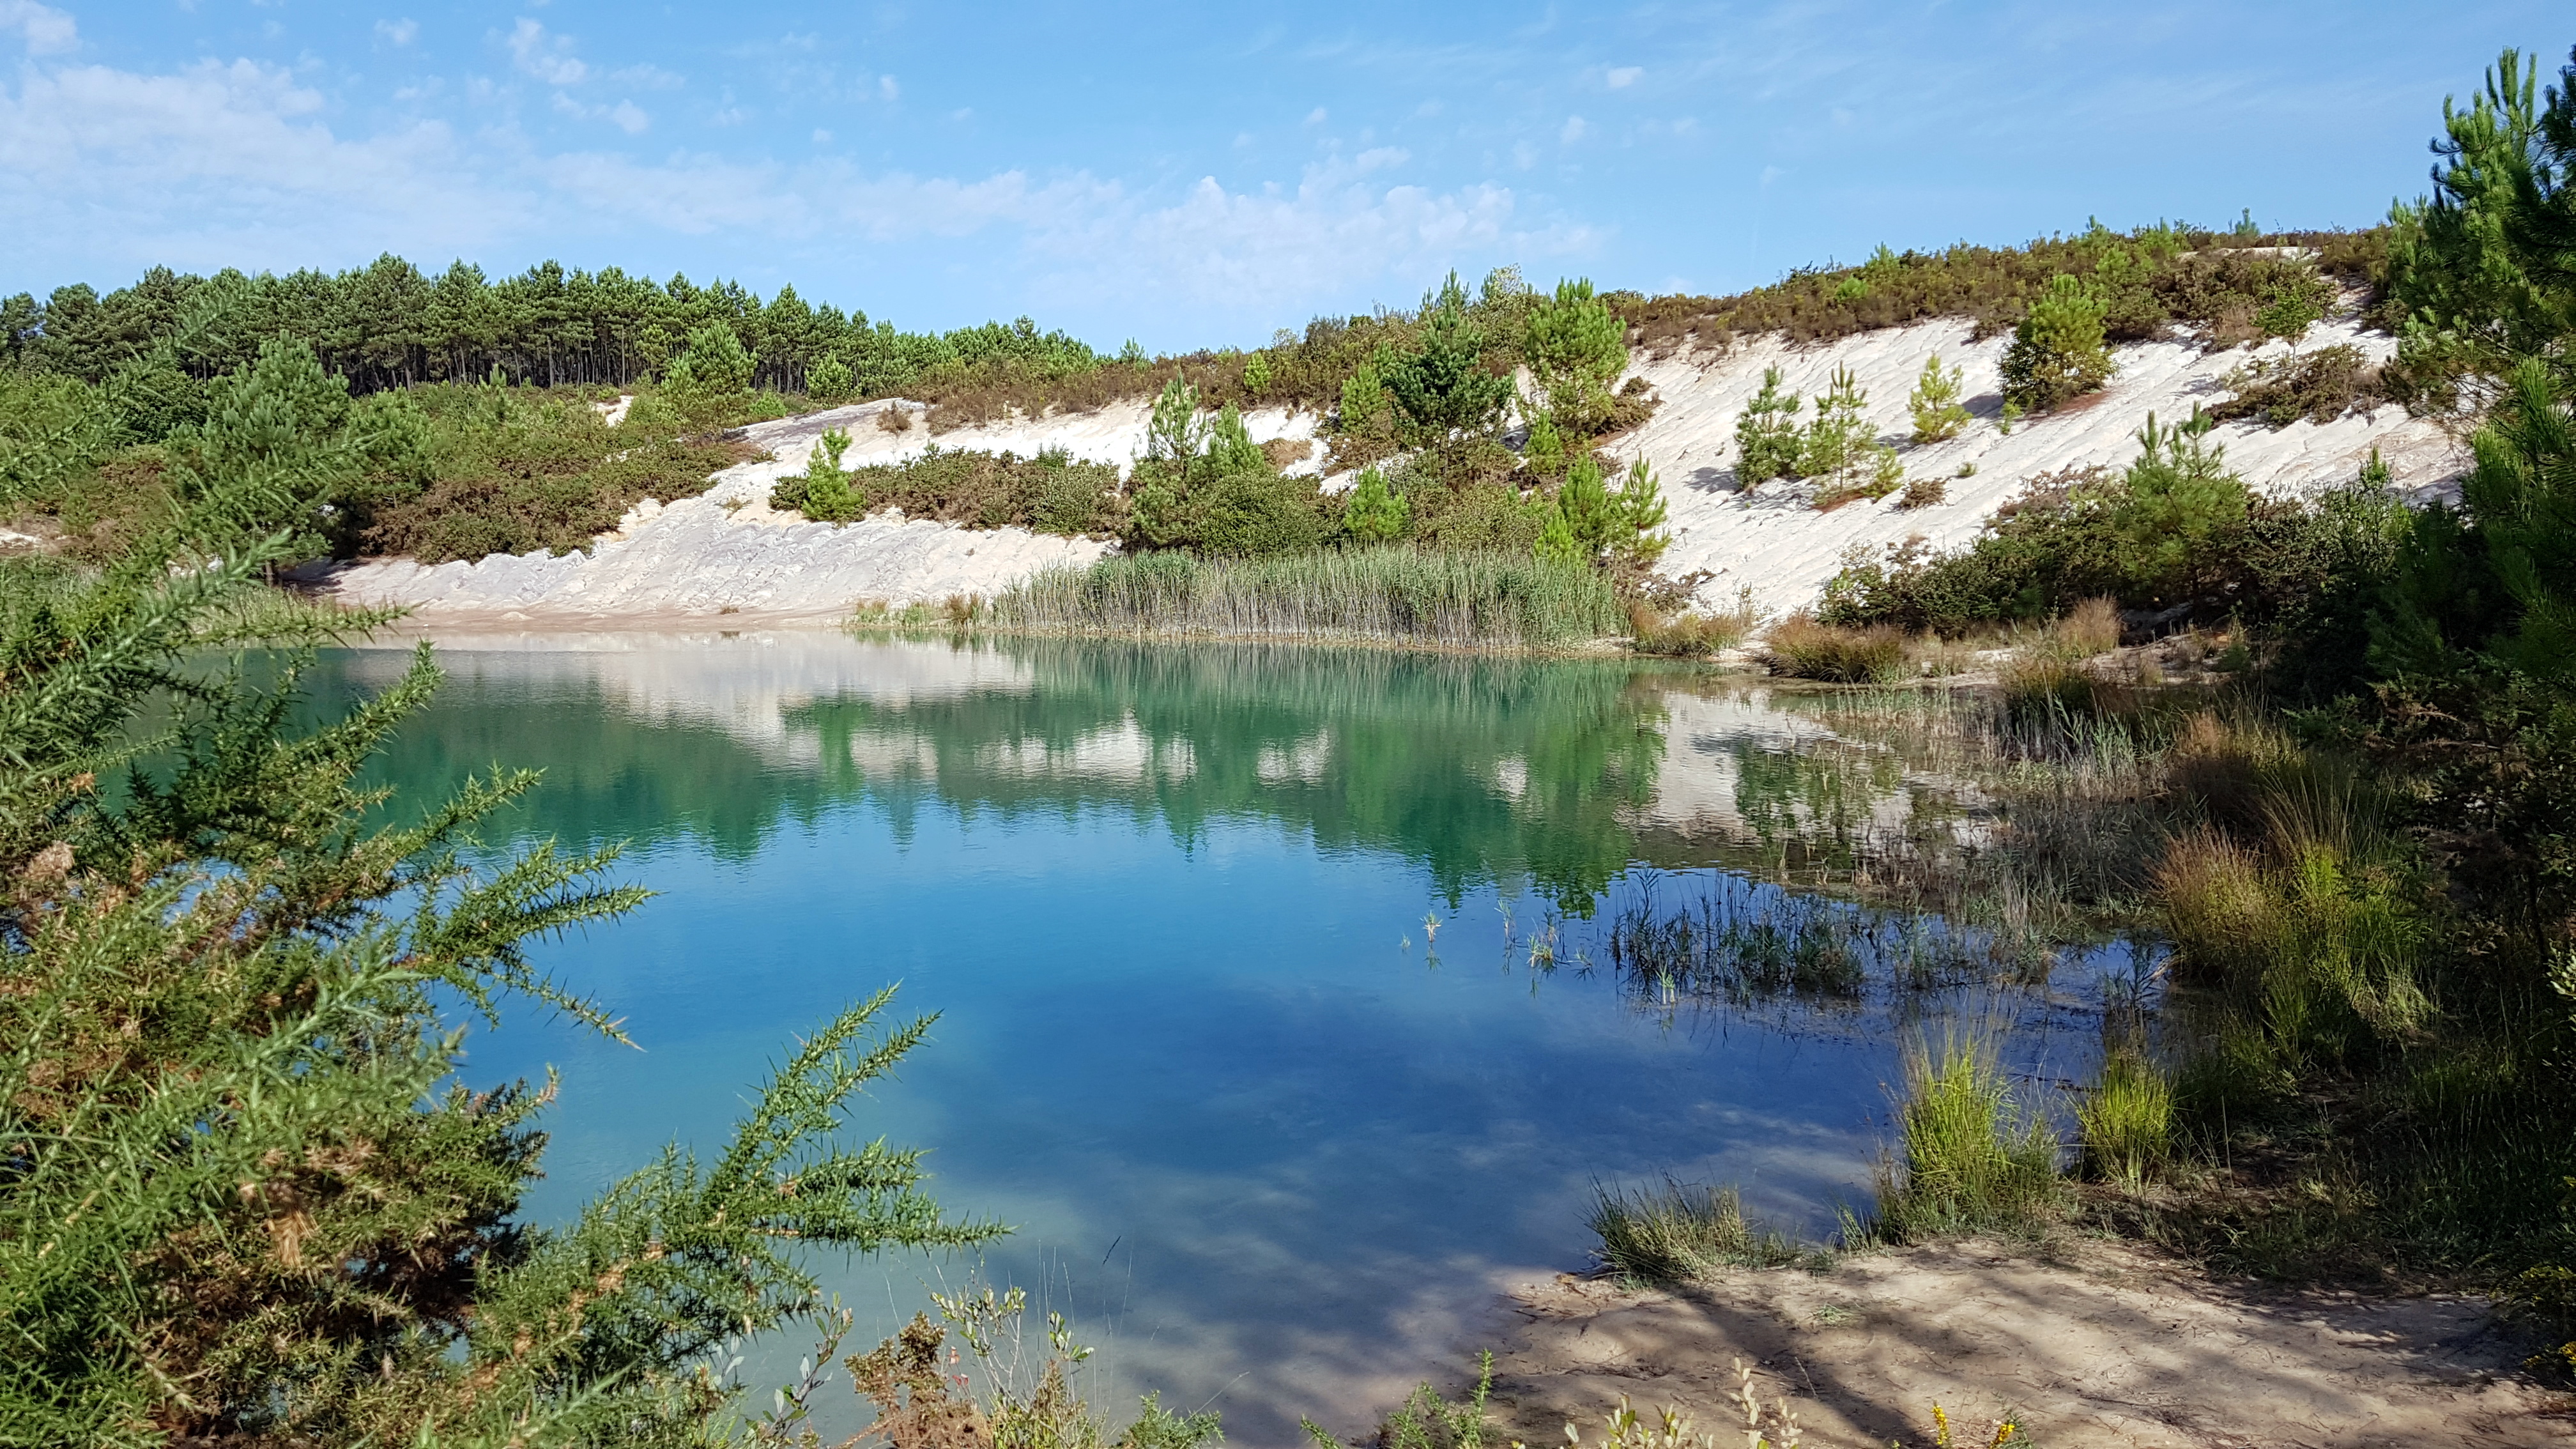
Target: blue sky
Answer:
pixel 1186 174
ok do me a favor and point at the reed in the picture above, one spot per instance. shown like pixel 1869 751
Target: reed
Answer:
pixel 1454 600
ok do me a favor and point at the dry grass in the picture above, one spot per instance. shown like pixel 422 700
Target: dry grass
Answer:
pixel 1802 648
pixel 1690 633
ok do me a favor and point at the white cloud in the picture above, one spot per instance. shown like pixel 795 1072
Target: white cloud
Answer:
pixel 822 137
pixel 547 57
pixel 629 117
pixel 1575 129
pixel 237 164
pixel 43 29
pixel 400 32
pixel 1624 77
pixel 886 85
pixel 1315 117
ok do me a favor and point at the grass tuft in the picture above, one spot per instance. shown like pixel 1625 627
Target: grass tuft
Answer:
pixel 1974 1158
pixel 1802 648
pixel 1680 1232
pixel 2126 1120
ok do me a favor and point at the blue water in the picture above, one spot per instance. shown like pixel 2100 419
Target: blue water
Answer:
pixel 1167 904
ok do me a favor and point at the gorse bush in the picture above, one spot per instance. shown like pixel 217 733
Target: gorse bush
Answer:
pixel 2319 386
pixel 249 1200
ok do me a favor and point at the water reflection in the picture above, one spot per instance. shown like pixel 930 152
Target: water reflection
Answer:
pixel 1169 904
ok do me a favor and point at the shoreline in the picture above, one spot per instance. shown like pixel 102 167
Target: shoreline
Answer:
pixel 2085 1341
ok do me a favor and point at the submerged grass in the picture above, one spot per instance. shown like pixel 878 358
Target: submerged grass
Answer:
pixel 1456 600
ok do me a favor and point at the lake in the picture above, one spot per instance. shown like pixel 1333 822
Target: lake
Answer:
pixel 1264 1144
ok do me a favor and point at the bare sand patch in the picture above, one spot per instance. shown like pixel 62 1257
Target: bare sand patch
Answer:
pixel 2101 1344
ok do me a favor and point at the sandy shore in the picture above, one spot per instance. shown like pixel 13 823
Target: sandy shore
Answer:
pixel 2107 1344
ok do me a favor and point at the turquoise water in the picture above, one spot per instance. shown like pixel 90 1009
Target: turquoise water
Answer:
pixel 1264 1146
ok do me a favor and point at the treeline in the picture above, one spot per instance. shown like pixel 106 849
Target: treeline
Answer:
pixel 390 325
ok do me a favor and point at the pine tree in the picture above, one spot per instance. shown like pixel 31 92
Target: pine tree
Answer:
pixel 2057 352
pixel 1375 512
pixel 1934 402
pixel 1838 437
pixel 1575 347
pixel 1766 434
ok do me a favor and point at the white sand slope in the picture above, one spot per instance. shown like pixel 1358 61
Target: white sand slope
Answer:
pixel 1774 542
pixel 725 552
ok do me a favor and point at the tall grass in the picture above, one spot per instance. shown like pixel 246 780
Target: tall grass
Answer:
pixel 2126 1120
pixel 1802 648
pixel 1456 600
pixel 1974 1157
pixel 1680 1232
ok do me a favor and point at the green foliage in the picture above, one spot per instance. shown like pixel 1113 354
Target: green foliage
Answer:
pixel 1766 434
pixel 2495 580
pixel 828 495
pixel 2481 268
pixel 2057 352
pixel 283 440
pixel 1375 513
pixel 1974 1157
pixel 1472 600
pixel 1803 648
pixel 1443 391
pixel 248 1199
pixel 2126 1119
pixel 1256 374
pixel 1934 403
pixel 1049 493
pixel 830 380
pixel 1839 442
pixel 1545 450
pixel 1203 484
pixel 713 374
pixel 2320 386
pixel 1575 348
pixel 512 469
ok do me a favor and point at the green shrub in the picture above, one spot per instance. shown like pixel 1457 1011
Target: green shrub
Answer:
pixel 1050 493
pixel 1575 347
pixel 713 374
pixel 2057 352
pixel 1934 403
pixel 830 381
pixel 2320 386
pixel 1838 445
pixel 1766 434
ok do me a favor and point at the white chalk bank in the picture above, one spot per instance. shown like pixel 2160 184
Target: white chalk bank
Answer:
pixel 725 552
